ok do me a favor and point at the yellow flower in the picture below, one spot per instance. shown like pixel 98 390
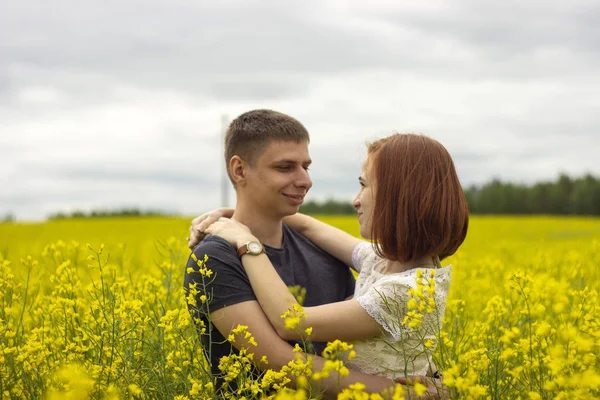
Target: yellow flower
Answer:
pixel 292 322
pixel 127 312
pixel 351 355
pixel 420 389
pixel 134 389
pixel 412 304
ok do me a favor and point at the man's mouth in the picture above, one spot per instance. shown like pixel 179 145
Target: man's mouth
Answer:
pixel 295 198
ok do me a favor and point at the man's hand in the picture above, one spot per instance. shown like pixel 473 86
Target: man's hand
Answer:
pixel 435 387
pixel 199 224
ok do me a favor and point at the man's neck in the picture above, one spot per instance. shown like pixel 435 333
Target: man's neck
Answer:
pixel 267 229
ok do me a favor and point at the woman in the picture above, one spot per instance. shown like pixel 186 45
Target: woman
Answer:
pixel 412 207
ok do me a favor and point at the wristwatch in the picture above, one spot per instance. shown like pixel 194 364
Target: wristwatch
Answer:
pixel 252 248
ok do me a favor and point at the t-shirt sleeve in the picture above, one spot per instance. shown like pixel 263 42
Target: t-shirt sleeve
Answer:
pixel 360 254
pixel 215 278
pixel 350 283
pixel 386 302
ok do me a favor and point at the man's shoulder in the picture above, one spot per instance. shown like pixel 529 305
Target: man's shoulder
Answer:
pixel 293 236
pixel 296 241
pixel 293 239
pixel 215 247
pixel 336 279
pixel 213 242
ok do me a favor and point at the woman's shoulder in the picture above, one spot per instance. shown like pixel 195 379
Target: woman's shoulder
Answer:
pixel 412 276
pixel 428 272
pixel 364 256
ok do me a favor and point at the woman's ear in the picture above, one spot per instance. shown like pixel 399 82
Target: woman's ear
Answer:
pixel 237 168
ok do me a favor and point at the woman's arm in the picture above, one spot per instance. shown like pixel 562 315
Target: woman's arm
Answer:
pixel 279 353
pixel 345 320
pixel 331 239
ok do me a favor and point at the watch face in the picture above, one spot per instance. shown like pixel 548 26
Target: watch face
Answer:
pixel 254 247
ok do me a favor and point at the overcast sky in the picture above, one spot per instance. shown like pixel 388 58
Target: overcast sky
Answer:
pixel 113 104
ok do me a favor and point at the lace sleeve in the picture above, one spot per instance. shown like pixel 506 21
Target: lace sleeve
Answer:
pixel 386 303
pixel 359 255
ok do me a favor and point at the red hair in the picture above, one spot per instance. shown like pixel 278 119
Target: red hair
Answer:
pixel 420 208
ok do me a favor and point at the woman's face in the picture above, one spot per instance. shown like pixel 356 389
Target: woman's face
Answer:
pixel 363 202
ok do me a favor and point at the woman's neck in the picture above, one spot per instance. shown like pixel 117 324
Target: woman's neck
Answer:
pixel 392 267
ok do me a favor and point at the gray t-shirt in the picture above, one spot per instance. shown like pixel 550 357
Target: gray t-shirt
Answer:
pixel 298 262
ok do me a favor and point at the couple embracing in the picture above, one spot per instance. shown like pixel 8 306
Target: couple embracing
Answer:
pixel 411 209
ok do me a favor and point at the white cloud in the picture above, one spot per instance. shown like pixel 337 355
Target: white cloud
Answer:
pixel 121 104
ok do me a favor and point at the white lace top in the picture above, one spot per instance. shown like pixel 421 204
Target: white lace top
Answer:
pixel 400 350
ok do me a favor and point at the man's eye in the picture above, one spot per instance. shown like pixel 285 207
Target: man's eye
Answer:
pixel 283 167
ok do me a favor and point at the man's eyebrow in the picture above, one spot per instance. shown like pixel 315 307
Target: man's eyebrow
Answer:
pixel 289 161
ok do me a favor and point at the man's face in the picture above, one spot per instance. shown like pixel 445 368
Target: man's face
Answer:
pixel 279 180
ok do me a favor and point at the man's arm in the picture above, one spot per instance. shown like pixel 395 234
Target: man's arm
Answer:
pixel 234 304
pixel 278 352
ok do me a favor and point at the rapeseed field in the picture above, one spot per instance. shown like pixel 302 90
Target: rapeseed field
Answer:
pixel 95 309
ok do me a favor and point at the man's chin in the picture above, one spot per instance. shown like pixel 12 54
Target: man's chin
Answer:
pixel 289 210
pixel 293 210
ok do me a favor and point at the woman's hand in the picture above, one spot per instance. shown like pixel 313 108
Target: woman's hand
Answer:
pixel 199 224
pixel 435 387
pixel 232 231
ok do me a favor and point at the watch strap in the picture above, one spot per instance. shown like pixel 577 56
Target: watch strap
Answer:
pixel 246 249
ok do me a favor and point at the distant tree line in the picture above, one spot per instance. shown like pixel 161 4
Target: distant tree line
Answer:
pixel 9 217
pixel 328 207
pixel 125 212
pixel 565 196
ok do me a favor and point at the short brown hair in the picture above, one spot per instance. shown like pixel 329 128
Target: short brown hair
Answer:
pixel 420 208
pixel 249 134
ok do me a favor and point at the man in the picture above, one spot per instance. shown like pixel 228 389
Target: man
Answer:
pixel 267 157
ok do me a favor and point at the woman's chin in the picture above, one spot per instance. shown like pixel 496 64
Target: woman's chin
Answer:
pixel 365 234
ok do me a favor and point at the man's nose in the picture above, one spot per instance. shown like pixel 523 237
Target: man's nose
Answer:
pixel 303 179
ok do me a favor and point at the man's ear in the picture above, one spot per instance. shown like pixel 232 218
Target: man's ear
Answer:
pixel 238 169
